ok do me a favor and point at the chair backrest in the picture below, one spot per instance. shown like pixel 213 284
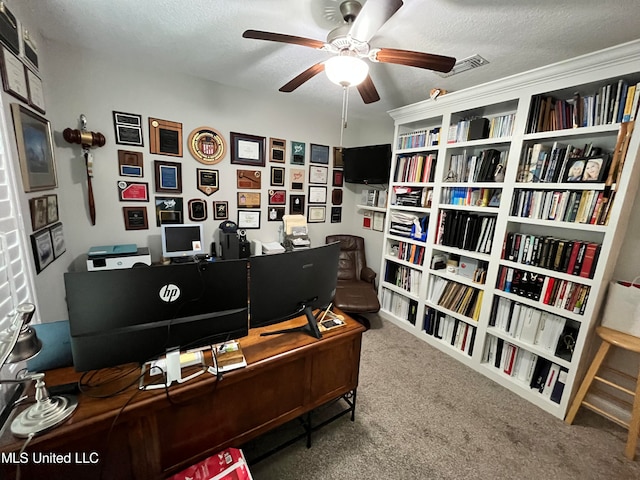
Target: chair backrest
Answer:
pixel 352 256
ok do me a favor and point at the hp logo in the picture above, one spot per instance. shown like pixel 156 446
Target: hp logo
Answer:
pixel 169 293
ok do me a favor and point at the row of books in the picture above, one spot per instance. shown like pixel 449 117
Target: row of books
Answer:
pixel 468 129
pixel 409 252
pixel 537 372
pixel 404 277
pixel 565 295
pixel 466 230
pixel 452 331
pixel 456 297
pixel 563 163
pixel 399 305
pixel 483 167
pixel 415 168
pixel 419 138
pixel 612 103
pixel 575 257
pixel 472 197
pixel 501 126
pixel 574 206
pixel 530 325
pixel 412 196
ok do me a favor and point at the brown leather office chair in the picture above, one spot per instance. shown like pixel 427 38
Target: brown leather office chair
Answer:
pixel 356 290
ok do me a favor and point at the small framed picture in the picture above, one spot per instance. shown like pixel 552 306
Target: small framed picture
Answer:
pixel 130 163
pixel 277 177
pixel 165 137
pixel 297 153
pixel 594 169
pixel 220 210
pixel 338 179
pixel 52 208
pixel 296 179
pixel 251 179
pixel 248 199
pixel 197 210
pixel 14 75
pixel 319 154
pixel 57 239
pixel 275 214
pixel 296 204
pixel 338 161
pixel 36 95
pixel 39 212
pixel 135 218
pixel 168 176
pixel 42 249
pixel 575 171
pixel 336 214
pixel 316 214
pixel 248 218
pixel 247 149
pixel 207 180
pixel 317 194
pixel 277 150
pixel 277 197
pixel 133 191
pixel 169 210
pixel 128 129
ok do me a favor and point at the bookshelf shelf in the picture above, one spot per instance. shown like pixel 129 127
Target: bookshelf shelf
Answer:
pixel 523 115
pixel 373 209
pixel 400 290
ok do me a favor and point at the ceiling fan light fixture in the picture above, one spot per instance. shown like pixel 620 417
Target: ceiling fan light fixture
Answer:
pixel 346 70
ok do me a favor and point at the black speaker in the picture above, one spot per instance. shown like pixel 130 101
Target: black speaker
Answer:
pixel 244 249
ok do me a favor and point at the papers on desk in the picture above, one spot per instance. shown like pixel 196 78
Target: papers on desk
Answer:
pixel 229 356
pixel 272 247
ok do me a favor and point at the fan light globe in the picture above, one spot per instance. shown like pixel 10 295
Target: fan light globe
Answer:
pixel 346 70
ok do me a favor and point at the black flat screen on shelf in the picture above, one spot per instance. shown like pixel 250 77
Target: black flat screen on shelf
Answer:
pixel 369 164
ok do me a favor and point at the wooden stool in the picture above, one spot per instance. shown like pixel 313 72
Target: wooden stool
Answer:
pixel 628 342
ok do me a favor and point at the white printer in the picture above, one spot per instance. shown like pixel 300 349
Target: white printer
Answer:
pixel 111 257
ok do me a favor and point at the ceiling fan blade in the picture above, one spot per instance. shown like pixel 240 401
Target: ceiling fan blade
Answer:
pixel 308 74
pixel 439 63
pixel 282 38
pixel 373 15
pixel 368 91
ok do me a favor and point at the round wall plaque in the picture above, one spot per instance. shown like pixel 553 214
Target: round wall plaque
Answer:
pixel 207 145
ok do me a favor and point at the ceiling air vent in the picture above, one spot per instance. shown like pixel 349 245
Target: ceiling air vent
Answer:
pixel 465 64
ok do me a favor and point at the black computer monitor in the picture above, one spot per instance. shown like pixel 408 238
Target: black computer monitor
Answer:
pixel 286 285
pixel 138 314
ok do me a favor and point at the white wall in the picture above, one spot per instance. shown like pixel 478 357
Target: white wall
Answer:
pixel 77 81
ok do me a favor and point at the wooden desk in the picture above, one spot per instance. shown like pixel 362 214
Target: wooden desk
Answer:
pixel 151 435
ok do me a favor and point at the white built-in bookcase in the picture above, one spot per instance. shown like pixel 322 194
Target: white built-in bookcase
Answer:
pixel 406 296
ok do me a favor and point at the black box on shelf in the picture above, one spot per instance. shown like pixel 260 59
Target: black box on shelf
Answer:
pixel 478 128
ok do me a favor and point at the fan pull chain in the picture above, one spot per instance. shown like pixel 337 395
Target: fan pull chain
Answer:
pixel 345 107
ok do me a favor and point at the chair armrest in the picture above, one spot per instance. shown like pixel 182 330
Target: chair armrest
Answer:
pixel 368 275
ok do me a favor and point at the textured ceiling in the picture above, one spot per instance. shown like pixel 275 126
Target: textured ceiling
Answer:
pixel 204 38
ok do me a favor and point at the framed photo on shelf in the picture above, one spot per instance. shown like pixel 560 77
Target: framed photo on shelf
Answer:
pixel 248 218
pixel 594 169
pixel 35 149
pixel 57 239
pixel 247 149
pixel 168 176
pixel 319 154
pixel 317 194
pixel 39 212
pixel 316 214
pixel 135 218
pixel 318 174
pixel 128 129
pixel 42 249
pixel 133 191
pixel 52 208
pixel 220 210
pixel 14 77
pixel 575 170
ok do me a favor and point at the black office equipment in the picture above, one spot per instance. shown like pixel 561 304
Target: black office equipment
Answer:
pixel 369 164
pixel 135 315
pixel 285 285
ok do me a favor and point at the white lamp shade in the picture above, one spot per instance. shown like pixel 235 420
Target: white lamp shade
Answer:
pixel 346 70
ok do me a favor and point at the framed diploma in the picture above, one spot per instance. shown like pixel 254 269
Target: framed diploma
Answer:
pixel 165 137
pixel 207 181
pixel 318 174
pixel 133 191
pixel 135 218
pixel 247 149
pixel 168 176
pixel 317 194
pixel 248 219
pixel 316 214
pixel 36 96
pixel 14 77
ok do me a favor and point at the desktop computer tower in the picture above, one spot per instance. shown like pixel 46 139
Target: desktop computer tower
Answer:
pixel 229 246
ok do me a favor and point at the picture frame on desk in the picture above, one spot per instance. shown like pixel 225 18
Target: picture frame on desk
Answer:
pixel 35 149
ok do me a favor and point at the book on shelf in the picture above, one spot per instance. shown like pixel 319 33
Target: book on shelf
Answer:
pixel 229 356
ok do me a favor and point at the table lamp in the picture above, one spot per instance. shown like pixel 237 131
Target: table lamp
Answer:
pixel 18 342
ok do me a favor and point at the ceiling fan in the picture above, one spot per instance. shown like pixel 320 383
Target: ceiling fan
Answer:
pixel 350 45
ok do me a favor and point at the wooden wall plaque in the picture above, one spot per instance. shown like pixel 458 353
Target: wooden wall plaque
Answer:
pixel 165 137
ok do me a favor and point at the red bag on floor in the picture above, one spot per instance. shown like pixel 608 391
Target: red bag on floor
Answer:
pixel 228 464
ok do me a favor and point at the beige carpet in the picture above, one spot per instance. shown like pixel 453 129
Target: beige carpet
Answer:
pixel 422 415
